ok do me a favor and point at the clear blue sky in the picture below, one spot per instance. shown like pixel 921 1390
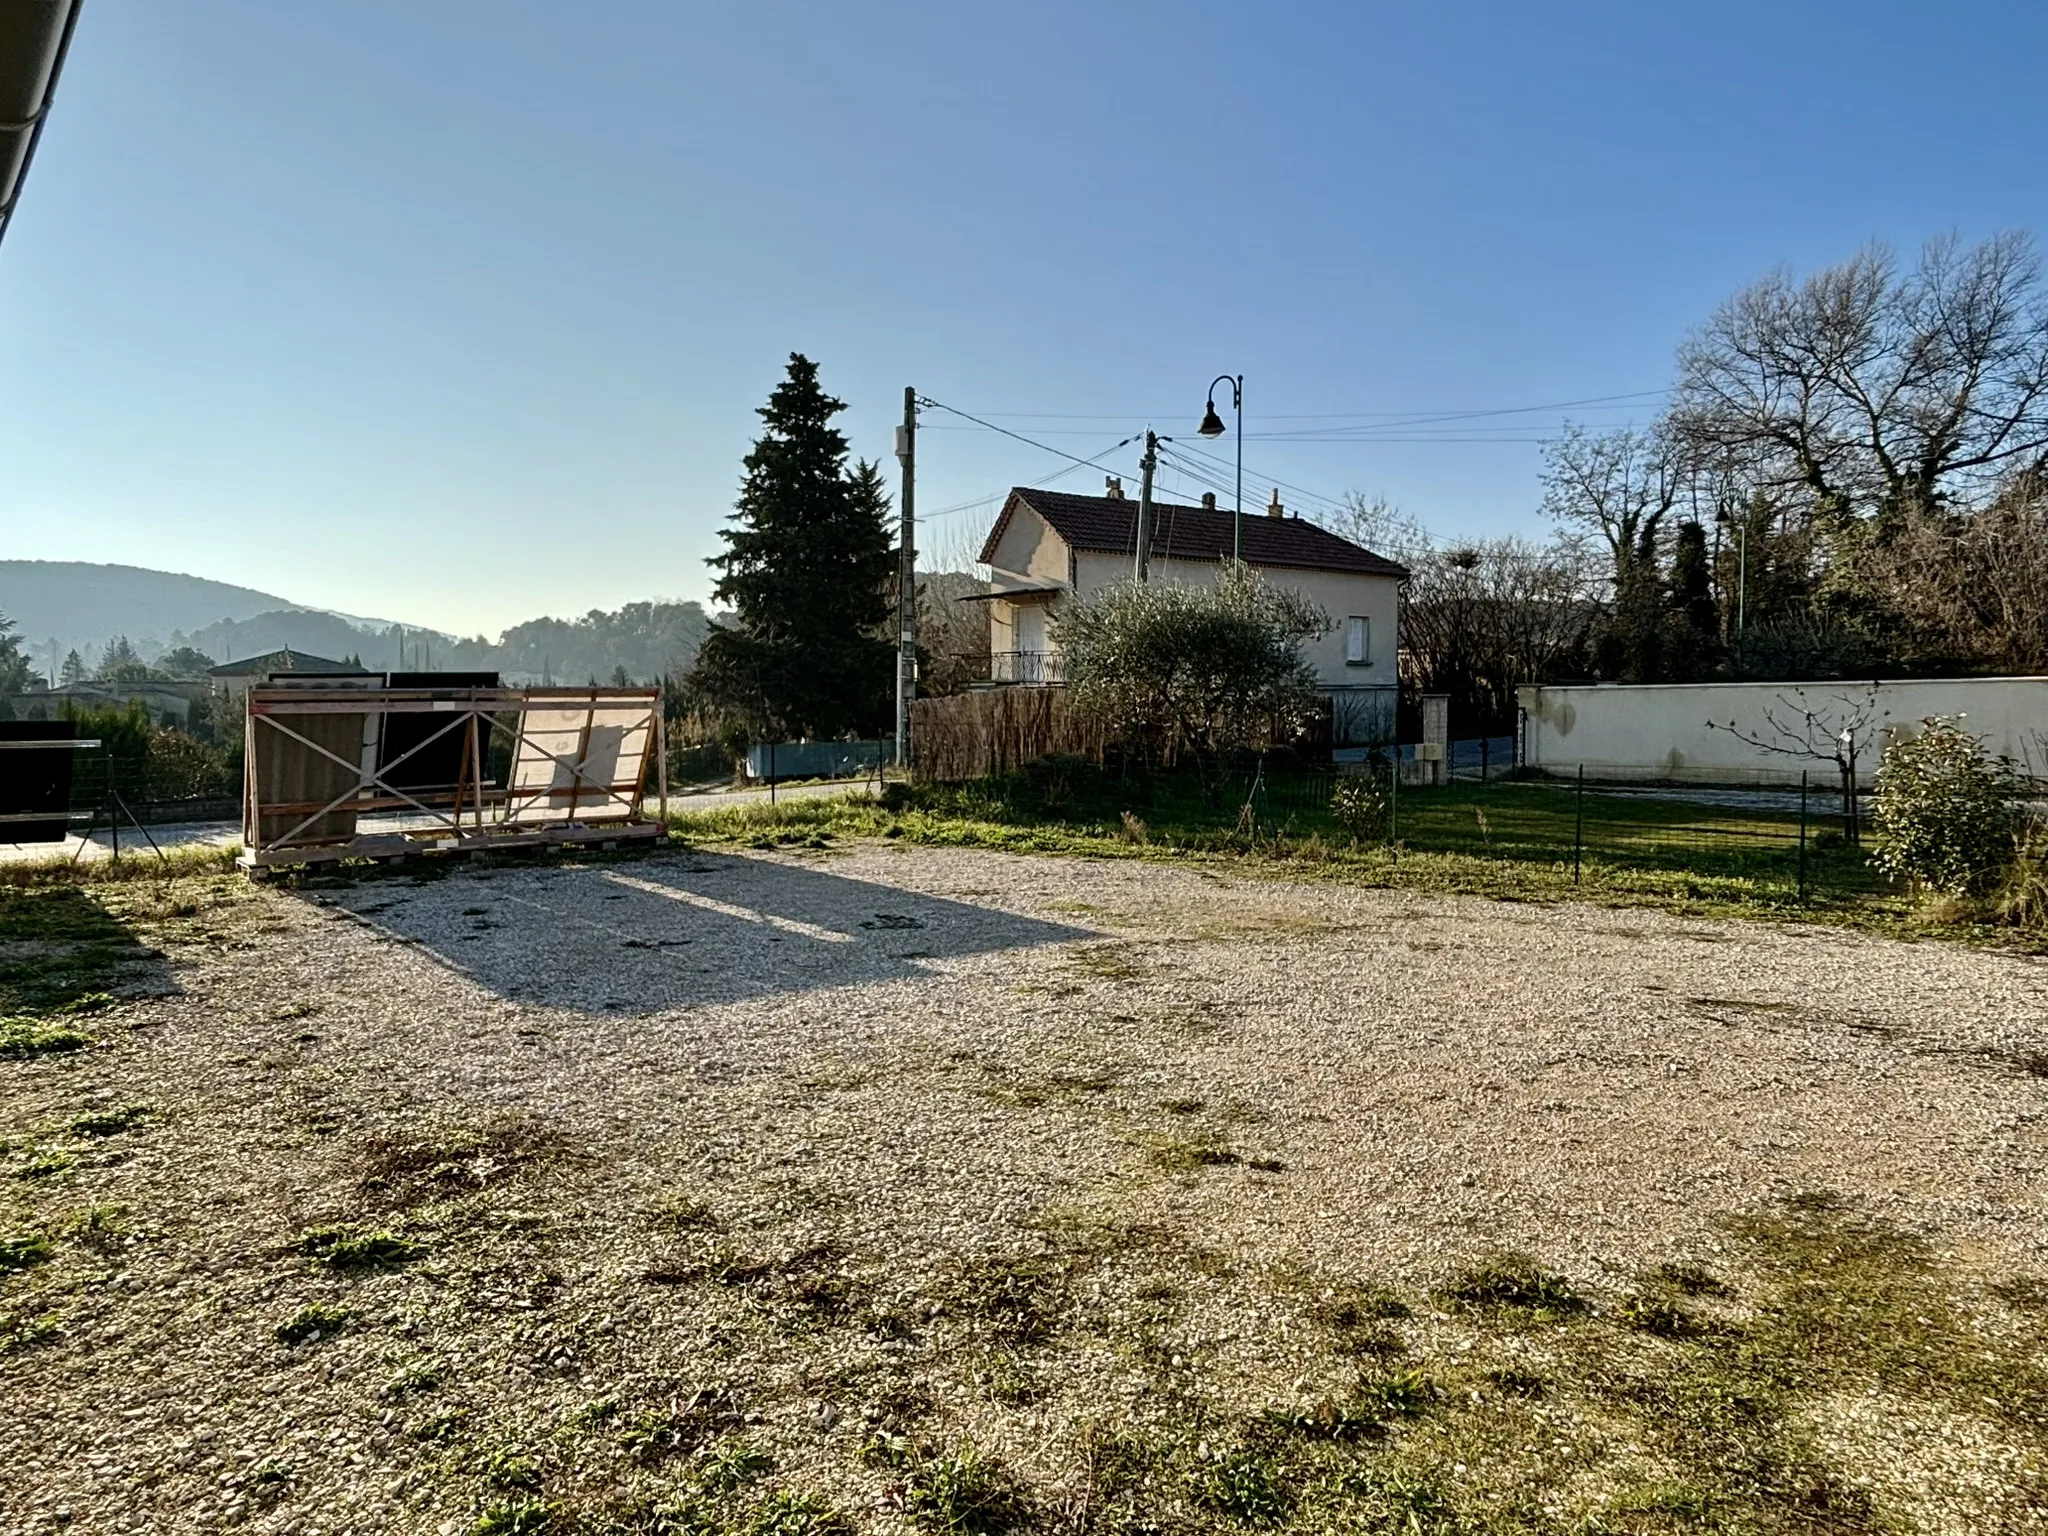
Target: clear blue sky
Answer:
pixel 456 311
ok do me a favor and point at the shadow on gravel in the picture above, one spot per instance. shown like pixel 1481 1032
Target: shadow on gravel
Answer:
pixel 660 933
pixel 60 949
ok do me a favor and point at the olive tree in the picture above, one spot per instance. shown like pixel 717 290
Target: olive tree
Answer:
pixel 1166 667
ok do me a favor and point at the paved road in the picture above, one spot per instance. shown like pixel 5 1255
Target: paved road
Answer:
pixel 185 834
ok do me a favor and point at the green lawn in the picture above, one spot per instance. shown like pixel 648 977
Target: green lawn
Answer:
pixel 1512 838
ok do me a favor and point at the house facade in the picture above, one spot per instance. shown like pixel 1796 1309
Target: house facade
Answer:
pixel 1048 547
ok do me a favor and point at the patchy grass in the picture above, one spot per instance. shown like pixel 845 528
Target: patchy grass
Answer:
pixel 1191 1154
pixel 182 863
pixel 317 1320
pixel 104 1226
pixel 415 1379
pixel 21 1038
pixel 359 1248
pixel 1512 1283
pixel 61 948
pixel 412 1168
pixel 960 1492
pixel 793 1512
pixel 1011 1301
pixel 111 1122
pixel 518 1517
pixel 23 1328
pixel 17 1253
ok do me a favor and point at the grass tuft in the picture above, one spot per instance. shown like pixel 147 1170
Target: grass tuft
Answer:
pixel 1512 1283
pixel 353 1248
pixel 22 1037
pixel 792 1512
pixel 318 1320
pixel 17 1253
pixel 111 1122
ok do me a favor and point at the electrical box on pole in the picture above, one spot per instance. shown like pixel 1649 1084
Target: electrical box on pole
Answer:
pixel 906 580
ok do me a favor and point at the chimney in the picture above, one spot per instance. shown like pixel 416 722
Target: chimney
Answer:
pixel 1209 501
pixel 1114 485
pixel 1276 510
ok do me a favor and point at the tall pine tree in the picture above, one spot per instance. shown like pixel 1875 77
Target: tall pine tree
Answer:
pixel 806 569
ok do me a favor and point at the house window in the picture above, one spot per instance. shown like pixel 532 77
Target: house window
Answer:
pixel 1357 642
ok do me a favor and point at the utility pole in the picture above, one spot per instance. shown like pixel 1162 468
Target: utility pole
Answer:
pixel 1146 465
pixel 906 580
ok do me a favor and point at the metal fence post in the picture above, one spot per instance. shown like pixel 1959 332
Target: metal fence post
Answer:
pixel 1802 834
pixel 771 773
pixel 1484 743
pixel 1394 799
pixel 1579 825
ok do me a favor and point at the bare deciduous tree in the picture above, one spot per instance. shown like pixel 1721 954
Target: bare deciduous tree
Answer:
pixel 1972 590
pixel 1838 729
pixel 1480 621
pixel 1873 391
pixel 1618 485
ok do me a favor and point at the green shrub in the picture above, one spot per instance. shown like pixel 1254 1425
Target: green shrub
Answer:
pixel 1360 807
pixel 1945 815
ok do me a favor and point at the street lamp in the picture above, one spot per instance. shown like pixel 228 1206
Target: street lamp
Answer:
pixel 1212 426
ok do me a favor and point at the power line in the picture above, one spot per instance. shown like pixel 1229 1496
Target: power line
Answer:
pixel 1020 437
pixel 1043 480
pixel 1383 419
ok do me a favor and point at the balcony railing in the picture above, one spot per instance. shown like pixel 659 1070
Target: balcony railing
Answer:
pixel 1026 667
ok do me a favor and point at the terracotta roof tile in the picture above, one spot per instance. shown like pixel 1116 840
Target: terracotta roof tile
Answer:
pixel 1105 525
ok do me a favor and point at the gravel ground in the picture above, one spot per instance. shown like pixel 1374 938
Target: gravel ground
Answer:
pixel 224 833
pixel 843 1086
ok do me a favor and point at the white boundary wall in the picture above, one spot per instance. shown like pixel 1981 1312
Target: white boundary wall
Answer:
pixel 1662 731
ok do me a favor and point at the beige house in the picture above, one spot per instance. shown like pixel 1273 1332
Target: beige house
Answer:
pixel 1047 546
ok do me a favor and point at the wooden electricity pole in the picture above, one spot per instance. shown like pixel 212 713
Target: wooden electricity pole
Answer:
pixel 1145 466
pixel 906 580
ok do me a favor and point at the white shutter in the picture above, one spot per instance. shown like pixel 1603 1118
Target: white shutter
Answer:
pixel 1356 651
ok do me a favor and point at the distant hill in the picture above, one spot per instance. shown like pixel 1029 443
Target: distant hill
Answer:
pixel 76 605
pixel 297 629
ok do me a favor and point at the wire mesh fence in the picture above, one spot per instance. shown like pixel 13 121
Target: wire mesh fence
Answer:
pixel 1801 837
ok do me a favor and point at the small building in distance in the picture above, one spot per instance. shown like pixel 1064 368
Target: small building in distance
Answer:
pixel 167 701
pixel 1048 547
pixel 232 679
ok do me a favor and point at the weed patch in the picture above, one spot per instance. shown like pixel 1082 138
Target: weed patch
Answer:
pixel 102 1226
pixel 791 1512
pixel 1512 1283
pixel 414 1380
pixel 958 1491
pixel 518 1517
pixel 22 1037
pixel 319 1320
pixel 24 1328
pixel 1012 1301
pixel 354 1248
pixel 111 1122
pixel 18 1253
pixel 409 1169
pixel 1190 1154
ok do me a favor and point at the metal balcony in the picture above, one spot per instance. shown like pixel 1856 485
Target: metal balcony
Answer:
pixel 1026 668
